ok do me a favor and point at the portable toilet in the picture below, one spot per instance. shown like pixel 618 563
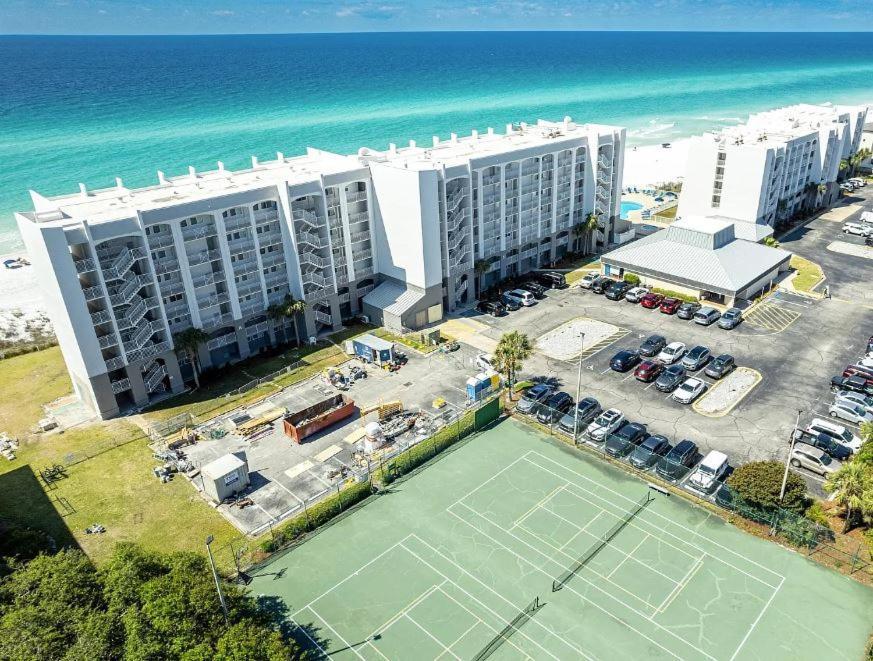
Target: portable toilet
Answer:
pixel 482 385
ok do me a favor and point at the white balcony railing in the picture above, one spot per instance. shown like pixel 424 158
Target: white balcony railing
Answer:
pixel 85 265
pixel 258 329
pixel 193 233
pixel 154 377
pixel 310 239
pixel 93 293
pixel 207 279
pixel 323 318
pixel 356 196
pixel 106 341
pixel 221 341
pixel 120 386
pixel 100 317
pixel 116 363
pixel 203 256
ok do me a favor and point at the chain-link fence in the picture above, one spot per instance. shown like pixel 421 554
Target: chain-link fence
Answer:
pixel 678 468
pixel 372 474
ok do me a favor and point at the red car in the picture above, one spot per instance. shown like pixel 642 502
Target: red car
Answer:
pixel 670 305
pixel 648 371
pixel 651 300
pixel 861 372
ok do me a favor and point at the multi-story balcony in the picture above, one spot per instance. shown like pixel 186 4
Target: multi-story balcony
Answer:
pixel 323 318
pixel 194 232
pixel 242 242
pixel 221 341
pixel 120 386
pixel 108 340
pixel 207 279
pixel 356 196
pixel 204 256
pixel 309 239
pixel 211 301
pixel 272 258
pixel 162 240
pixel 360 255
pixel 265 215
pixel 101 317
pixel 166 265
pixel 115 363
pixel 85 265
pixel 359 237
pixel 234 223
pixel 274 279
pixel 251 307
pixel 93 293
pixel 258 329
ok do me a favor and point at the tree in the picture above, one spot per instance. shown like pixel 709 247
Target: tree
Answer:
pixel 247 641
pixel 760 482
pixel 290 308
pixel 770 242
pixel 509 356
pixel 852 489
pixel 480 268
pixel 189 341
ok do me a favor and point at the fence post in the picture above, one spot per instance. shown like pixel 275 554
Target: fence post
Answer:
pixel 855 557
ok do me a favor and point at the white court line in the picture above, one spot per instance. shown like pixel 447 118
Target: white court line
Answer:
pixel 492 590
pixel 582 529
pixel 412 604
pixel 431 636
pixel 624 559
pixel 377 650
pixel 542 502
pixel 757 619
pixel 582 596
pixel 664 518
pixel 497 474
pixel 311 639
pixel 336 633
pixel 462 636
pixel 679 587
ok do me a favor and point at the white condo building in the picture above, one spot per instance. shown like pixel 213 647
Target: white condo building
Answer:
pixel 392 234
pixel 764 171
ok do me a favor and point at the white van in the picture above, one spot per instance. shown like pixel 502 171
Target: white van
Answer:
pixel 522 297
pixel 708 473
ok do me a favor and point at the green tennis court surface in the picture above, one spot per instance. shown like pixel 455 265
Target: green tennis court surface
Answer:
pixel 450 564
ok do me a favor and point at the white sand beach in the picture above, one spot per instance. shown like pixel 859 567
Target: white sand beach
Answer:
pixel 654 164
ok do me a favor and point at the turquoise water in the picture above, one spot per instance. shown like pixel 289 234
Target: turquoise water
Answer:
pixel 92 108
pixel 627 207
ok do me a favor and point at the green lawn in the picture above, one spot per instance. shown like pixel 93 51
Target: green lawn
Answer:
pixel 26 383
pixel 406 340
pixel 586 266
pixel 808 273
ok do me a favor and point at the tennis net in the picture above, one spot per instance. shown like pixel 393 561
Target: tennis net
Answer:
pixel 561 580
pixel 508 630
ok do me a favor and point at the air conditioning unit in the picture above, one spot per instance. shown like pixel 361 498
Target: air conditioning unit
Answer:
pixel 365 318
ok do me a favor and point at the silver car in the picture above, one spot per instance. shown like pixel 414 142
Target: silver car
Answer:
pixel 604 424
pixel 855 399
pixel 854 413
pixel 813 459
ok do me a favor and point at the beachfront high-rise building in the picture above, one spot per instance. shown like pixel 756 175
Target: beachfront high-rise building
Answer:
pixel 766 170
pixel 394 235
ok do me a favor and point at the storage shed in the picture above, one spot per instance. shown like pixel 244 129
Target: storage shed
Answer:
pixel 226 476
pixel 373 349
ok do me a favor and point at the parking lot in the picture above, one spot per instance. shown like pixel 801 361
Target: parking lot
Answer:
pixel 796 343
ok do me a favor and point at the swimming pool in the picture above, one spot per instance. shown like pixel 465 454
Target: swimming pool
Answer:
pixel 627 207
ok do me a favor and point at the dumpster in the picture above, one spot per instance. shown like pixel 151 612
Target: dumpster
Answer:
pixel 373 349
pixel 314 418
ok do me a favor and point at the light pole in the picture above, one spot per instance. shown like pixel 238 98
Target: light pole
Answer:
pixel 788 460
pixel 209 541
pixel 578 387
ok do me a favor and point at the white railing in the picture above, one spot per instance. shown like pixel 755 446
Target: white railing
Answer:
pixel 272 258
pixel 100 317
pixel 604 162
pixel 131 286
pixel 85 265
pixel 461 288
pixel 313 278
pixel 527 254
pixel 562 240
pixel 244 241
pixel 148 352
pixel 454 199
pixel 265 215
pixel 123 261
pixel 237 222
pixel 113 364
pixel 269 239
pixel 120 386
pixel 311 258
pixel 166 265
pixel 161 240
pixel 106 341
pixel 93 293
pixel 133 315
pixel 213 300
pixel 189 234
pixel 221 341
pixel 342 278
pixel 360 237
pixel 204 256
pixel 145 333
pixel 344 298
pixel 216 320
pixel 359 217
pixel 251 308
pixel 308 238
pixel 154 376
pixel 367 253
pixel 356 196
pixel 323 318
pixel 207 279
pixel 257 329
pixel 306 217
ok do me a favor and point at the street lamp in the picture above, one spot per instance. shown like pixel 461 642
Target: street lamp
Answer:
pixel 578 386
pixel 209 541
pixel 788 459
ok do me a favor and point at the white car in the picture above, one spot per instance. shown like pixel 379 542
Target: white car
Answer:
pixel 522 297
pixel 604 424
pixel 706 476
pixel 688 391
pixel 853 413
pixel 634 294
pixel 588 280
pixel 856 229
pixel 835 431
pixel 485 362
pixel 866 361
pixel 671 353
pixel 860 183
pixel 856 399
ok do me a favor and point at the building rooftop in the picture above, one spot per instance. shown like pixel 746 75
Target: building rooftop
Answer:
pixel 222 466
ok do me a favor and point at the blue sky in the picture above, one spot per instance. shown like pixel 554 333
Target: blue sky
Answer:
pixel 253 16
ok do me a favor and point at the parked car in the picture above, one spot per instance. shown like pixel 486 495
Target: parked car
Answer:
pixel 708 474
pixel 856 398
pixel 485 362
pixel 670 305
pixel 604 424
pixel 721 366
pixel 493 308
pixel 706 316
pixel 552 279
pixel 624 360
pixel 813 459
pixel 580 416
pixel 648 370
pixel 688 310
pixel 731 318
pixel 860 183
pixel 652 345
pixel 534 288
pixel 857 229
pixel 634 294
pixel 678 461
pixel 836 431
pixel 522 297
pixel 670 378
pixel 600 285
pixel 860 371
pixel 554 408
pixel 532 398
pixel 823 442
pixel 672 353
pixel 588 279
pixel 622 440
pixel 652 300
pixel 647 453
pixel 851 384
pixel 689 391
pixel 617 291
pixel 510 303
pixel 850 412
pixel 696 358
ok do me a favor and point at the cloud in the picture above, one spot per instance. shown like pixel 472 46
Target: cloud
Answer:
pixel 223 12
pixel 369 10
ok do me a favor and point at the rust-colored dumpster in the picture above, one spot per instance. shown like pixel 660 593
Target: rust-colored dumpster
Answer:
pixel 314 418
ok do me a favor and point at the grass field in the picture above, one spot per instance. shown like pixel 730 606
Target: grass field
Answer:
pixel 26 383
pixel 579 272
pixel 808 275
pixel 493 534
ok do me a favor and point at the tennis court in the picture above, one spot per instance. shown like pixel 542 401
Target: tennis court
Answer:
pixel 514 547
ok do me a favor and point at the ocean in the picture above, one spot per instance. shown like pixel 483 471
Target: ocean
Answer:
pixel 88 109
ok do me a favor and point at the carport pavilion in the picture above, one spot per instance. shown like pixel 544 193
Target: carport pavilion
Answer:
pixel 701 257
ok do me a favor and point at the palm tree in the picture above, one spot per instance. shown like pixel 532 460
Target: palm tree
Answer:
pixel 770 242
pixel 189 341
pixel 844 165
pixel 852 487
pixel 275 315
pixel 480 268
pixel 290 308
pixel 511 352
pixel 589 227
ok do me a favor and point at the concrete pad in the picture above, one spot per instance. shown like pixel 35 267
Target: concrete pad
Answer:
pixel 840 214
pixel 565 341
pixel 300 468
pixel 854 249
pixel 327 453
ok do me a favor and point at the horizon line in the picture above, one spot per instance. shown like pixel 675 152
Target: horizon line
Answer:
pixel 424 31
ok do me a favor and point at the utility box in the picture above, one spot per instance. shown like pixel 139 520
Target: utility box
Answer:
pixel 373 349
pixel 226 476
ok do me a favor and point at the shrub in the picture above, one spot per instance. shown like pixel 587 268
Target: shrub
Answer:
pixel 632 279
pixel 675 294
pixel 816 514
pixel 758 483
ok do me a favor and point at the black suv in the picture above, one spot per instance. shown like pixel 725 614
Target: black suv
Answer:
pixel 688 310
pixel 647 453
pixel 552 279
pixel 824 442
pixel 599 286
pixel 653 345
pixel 678 461
pixel 554 408
pixel 851 384
pixel 588 408
pixel 617 290
pixel 493 308
pixel 534 288
pixel 623 439
pixel 670 378
pixel 624 360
